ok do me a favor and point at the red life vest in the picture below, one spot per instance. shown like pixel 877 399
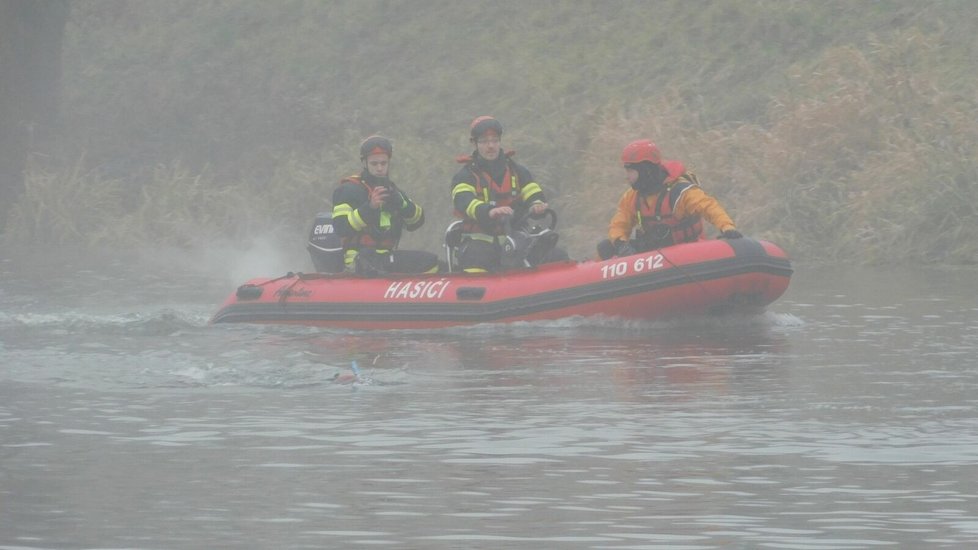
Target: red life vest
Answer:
pixel 374 237
pixel 658 225
pixel 493 193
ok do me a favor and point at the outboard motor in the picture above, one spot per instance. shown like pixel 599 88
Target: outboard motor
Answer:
pixel 325 246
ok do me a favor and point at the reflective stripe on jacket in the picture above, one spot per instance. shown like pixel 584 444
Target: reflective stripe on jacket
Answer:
pixel 475 193
pixel 378 229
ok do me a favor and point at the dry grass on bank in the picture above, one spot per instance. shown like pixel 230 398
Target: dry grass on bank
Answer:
pixel 865 158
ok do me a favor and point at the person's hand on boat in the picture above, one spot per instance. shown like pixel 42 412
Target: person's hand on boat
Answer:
pixel 377 196
pixel 731 234
pixel 500 212
pixel 624 248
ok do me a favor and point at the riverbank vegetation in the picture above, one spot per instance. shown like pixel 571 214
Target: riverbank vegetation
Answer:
pixel 843 131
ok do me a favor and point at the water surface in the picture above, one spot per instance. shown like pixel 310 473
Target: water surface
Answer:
pixel 843 417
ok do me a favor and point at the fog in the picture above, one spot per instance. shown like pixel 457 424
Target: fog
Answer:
pixel 271 100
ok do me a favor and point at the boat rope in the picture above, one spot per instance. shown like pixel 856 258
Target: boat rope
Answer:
pixel 284 293
pixel 686 274
pixel 314 276
pixel 286 276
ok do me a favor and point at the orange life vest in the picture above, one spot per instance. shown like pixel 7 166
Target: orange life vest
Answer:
pixel 658 225
pixel 493 193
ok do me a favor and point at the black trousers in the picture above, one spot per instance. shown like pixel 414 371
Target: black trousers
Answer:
pixel 476 255
pixel 371 262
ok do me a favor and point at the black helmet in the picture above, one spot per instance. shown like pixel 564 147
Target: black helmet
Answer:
pixel 485 124
pixel 375 145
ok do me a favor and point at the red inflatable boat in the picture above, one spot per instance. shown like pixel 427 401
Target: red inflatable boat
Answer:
pixel 699 278
pixel 689 279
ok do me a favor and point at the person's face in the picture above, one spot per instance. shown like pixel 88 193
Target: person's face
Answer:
pixel 378 164
pixel 631 175
pixel 488 146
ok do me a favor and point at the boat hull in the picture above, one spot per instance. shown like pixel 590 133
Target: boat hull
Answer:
pixel 688 279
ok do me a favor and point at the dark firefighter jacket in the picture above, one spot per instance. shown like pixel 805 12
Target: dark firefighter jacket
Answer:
pixel 481 185
pixel 359 225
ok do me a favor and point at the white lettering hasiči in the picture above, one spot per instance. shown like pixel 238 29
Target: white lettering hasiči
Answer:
pixel 415 290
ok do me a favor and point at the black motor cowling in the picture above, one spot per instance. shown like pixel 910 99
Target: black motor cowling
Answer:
pixel 325 246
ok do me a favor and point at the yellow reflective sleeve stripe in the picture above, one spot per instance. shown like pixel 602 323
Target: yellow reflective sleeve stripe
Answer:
pixel 529 190
pixel 473 204
pixel 462 188
pixel 356 222
pixel 470 211
pixel 417 215
pixel 341 210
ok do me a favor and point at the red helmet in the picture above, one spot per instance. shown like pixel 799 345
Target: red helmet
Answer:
pixel 484 124
pixel 376 145
pixel 642 150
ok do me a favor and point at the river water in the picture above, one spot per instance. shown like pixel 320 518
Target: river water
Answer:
pixel 843 417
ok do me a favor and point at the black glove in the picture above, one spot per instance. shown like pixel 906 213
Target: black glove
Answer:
pixel 624 248
pixel 394 201
pixel 731 234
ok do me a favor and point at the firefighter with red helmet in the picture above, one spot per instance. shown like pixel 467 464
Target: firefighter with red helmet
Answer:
pixel 487 192
pixel 664 206
pixel 370 212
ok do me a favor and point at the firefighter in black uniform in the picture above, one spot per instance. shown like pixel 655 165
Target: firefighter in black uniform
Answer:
pixel 369 214
pixel 488 191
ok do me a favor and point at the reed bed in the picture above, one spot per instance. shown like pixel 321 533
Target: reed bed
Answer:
pixel 866 154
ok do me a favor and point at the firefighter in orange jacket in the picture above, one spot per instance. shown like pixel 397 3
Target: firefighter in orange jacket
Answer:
pixel 490 189
pixel 369 214
pixel 664 206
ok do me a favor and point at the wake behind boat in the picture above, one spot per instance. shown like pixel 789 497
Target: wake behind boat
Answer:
pixel 698 278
